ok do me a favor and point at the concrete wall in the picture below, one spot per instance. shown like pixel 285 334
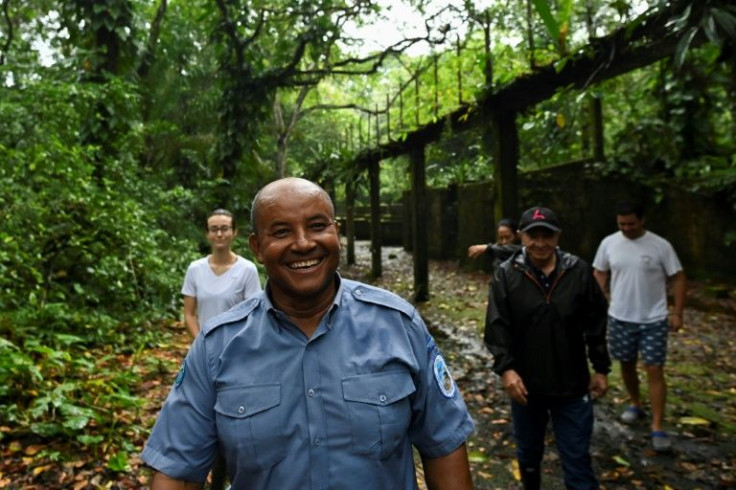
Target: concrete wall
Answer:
pixel 458 217
pixel 392 223
pixel 696 225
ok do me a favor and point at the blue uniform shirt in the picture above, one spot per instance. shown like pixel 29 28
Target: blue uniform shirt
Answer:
pixel 340 410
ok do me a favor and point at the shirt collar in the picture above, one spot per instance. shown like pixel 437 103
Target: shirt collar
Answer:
pixel 279 315
pixel 537 270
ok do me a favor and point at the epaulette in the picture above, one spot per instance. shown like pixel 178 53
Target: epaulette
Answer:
pixel 377 296
pixel 235 314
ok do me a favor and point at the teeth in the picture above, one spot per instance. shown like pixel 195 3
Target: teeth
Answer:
pixel 304 264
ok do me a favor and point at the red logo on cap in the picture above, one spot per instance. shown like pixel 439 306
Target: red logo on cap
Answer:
pixel 538 215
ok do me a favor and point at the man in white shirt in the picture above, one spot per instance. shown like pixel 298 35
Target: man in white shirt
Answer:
pixel 640 264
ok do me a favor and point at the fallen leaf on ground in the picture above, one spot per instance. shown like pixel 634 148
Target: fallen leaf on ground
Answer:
pixel 621 461
pixel 31 450
pixel 40 469
pixel 515 470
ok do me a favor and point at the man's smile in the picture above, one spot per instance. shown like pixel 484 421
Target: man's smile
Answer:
pixel 304 264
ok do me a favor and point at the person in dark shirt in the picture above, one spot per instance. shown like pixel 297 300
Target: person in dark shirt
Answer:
pixel 507 242
pixel 546 320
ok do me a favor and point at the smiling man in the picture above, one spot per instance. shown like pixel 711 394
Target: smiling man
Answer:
pixel 317 383
pixel 636 266
pixel 546 319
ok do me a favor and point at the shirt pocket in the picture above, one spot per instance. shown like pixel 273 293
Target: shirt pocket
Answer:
pixel 250 425
pixel 379 410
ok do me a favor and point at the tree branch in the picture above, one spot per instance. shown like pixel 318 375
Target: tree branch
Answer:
pixel 148 57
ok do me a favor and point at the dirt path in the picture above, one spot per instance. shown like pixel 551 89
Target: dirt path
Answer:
pixel 701 415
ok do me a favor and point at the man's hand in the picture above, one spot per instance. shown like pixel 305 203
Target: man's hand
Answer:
pixel 598 385
pixel 514 386
pixel 676 322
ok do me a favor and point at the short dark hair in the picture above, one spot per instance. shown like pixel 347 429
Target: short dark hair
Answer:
pixel 508 223
pixel 630 207
pixel 221 212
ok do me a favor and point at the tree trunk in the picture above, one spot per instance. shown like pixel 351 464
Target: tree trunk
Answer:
pixel 374 175
pixel 598 129
pixel 506 157
pixel 419 224
pixel 350 219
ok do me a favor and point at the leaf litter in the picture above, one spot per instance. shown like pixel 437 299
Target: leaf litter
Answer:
pixel 701 415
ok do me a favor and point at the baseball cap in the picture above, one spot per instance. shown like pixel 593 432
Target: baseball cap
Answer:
pixel 539 216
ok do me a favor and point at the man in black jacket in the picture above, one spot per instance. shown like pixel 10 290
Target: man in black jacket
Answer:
pixel 546 318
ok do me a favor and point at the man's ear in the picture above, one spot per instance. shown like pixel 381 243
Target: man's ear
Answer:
pixel 255 247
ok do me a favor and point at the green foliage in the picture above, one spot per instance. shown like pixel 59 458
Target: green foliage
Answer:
pixel 557 25
pixel 88 259
pixel 554 132
pixel 665 124
pixel 119 462
pixel 107 172
pixel 718 25
pixel 456 159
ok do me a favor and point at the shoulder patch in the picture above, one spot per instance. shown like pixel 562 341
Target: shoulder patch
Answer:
pixel 443 377
pixel 180 374
pixel 381 297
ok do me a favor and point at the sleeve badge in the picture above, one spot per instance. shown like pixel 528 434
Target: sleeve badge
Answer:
pixel 443 377
pixel 180 374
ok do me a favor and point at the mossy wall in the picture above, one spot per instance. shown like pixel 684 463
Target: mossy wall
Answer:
pixel 460 216
pixel 695 224
pixel 476 223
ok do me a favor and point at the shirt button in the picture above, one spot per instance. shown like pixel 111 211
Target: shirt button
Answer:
pixel 317 441
pixel 310 392
pixel 382 398
pixel 241 409
pixel 358 292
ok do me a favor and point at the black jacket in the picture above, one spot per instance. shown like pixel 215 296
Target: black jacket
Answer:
pixel 547 338
pixel 501 253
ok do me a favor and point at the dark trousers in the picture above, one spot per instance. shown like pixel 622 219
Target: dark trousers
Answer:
pixel 572 422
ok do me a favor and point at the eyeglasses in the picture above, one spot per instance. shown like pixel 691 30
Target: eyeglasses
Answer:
pixel 219 229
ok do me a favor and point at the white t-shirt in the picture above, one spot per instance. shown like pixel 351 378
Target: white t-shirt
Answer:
pixel 216 294
pixel 639 271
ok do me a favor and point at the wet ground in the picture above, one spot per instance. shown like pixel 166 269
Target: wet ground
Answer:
pixel 701 418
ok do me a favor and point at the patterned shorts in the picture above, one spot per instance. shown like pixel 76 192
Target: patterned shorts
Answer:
pixel 626 340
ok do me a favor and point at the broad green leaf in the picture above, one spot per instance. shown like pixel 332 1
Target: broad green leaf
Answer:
pixel 90 440
pixel 679 22
pixel 726 19
pixel 683 46
pixel 550 22
pixel 76 422
pixel 119 462
pixel 46 429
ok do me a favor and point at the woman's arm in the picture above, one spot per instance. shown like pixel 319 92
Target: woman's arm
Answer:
pixel 190 315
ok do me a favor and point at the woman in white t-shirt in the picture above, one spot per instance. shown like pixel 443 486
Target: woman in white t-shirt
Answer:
pixel 222 279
